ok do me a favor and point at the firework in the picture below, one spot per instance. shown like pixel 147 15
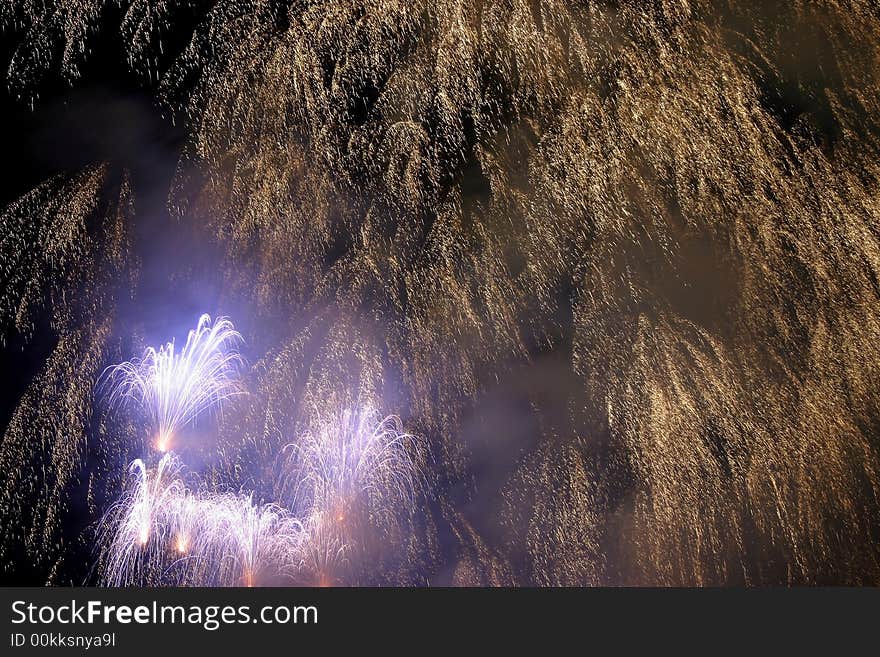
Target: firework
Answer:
pixel 175 387
pixel 255 544
pixel 355 475
pixel 162 533
pixel 135 532
pixel 47 252
pixel 353 478
pixel 227 540
pixel 356 459
pixel 324 551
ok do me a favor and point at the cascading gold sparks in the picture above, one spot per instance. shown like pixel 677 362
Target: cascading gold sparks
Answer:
pixel 65 244
pixel 649 228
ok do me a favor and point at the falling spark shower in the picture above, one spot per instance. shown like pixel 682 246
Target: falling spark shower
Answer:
pixel 614 265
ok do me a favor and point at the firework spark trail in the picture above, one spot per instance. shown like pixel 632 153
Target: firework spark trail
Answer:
pixel 67 242
pixel 176 387
pixel 356 458
pixel 262 543
pixel 134 531
pixel 355 475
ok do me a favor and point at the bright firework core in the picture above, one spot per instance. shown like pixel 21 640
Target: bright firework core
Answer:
pixel 175 387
